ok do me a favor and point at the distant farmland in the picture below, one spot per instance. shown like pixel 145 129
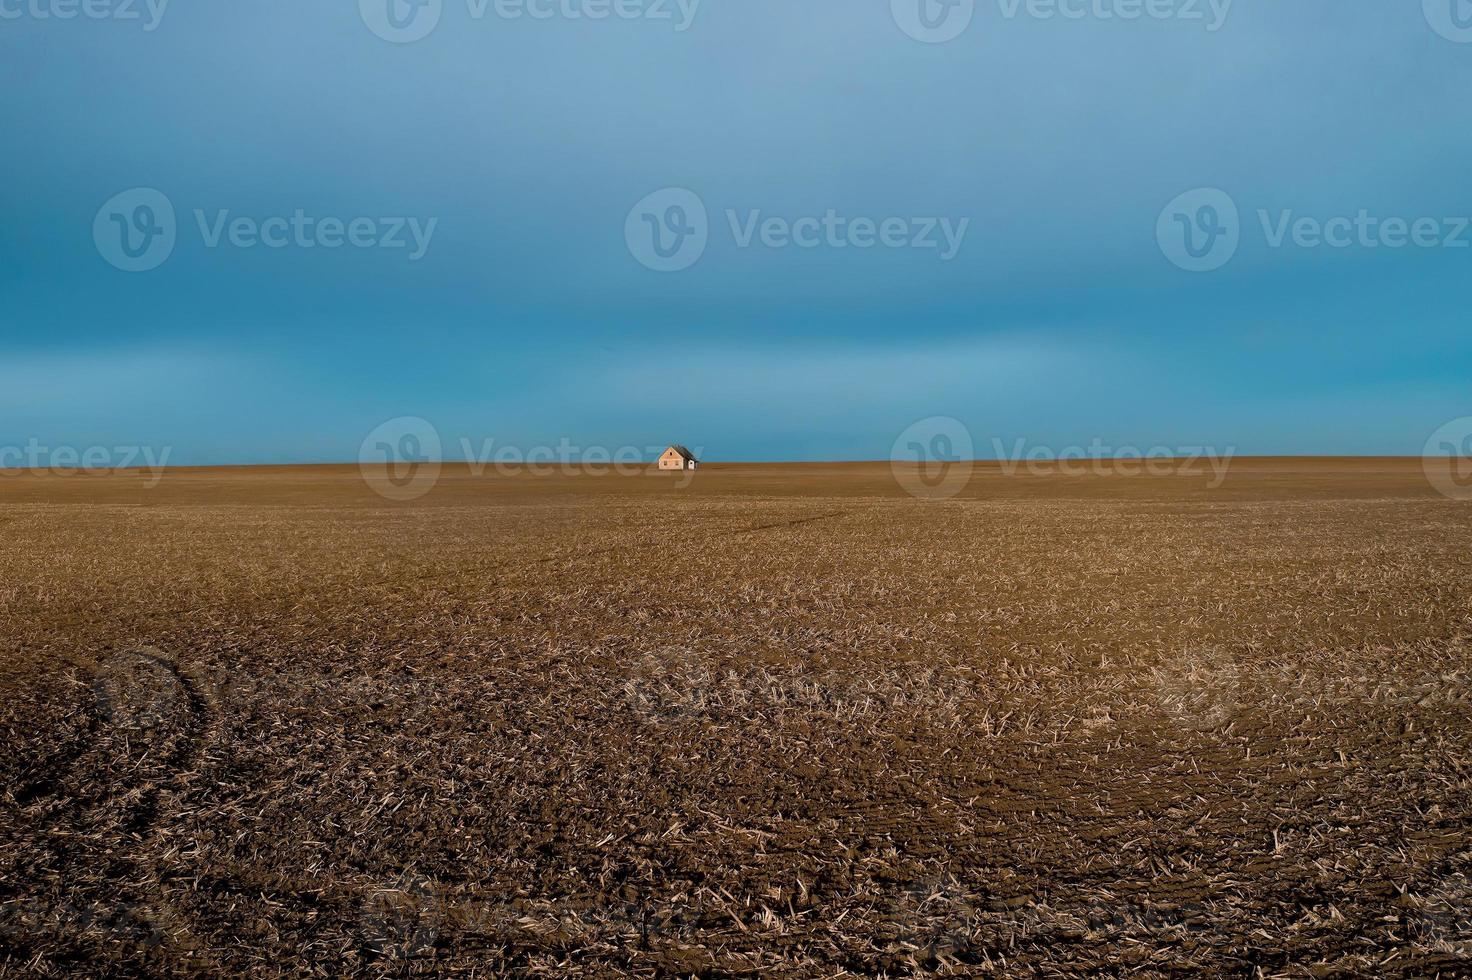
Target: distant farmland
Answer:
pixel 784 721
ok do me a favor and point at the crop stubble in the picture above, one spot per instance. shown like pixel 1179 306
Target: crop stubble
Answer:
pixel 260 722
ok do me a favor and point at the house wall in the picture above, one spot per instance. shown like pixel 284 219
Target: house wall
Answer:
pixel 674 461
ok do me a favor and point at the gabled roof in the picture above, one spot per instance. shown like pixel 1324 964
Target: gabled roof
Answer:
pixel 685 453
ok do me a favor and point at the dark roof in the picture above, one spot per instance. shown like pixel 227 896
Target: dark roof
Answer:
pixel 683 452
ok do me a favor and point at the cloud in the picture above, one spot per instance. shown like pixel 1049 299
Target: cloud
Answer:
pixel 807 379
pixel 61 394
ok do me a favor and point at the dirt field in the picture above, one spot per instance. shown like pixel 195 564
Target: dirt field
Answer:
pixel 784 721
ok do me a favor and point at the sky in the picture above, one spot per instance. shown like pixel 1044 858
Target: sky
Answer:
pixel 772 230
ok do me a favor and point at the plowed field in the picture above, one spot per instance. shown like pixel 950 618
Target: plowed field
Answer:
pixel 779 721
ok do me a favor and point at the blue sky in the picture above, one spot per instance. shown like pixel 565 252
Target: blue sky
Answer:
pixel 529 318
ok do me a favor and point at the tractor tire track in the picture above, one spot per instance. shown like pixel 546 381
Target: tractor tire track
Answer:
pixel 189 745
pixel 139 913
pixel 103 714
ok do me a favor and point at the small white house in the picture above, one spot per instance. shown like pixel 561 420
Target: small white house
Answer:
pixel 677 457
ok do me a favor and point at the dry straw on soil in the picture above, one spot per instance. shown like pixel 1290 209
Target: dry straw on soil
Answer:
pixel 268 725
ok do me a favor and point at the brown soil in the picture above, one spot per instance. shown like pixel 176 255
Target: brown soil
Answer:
pixel 783 721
